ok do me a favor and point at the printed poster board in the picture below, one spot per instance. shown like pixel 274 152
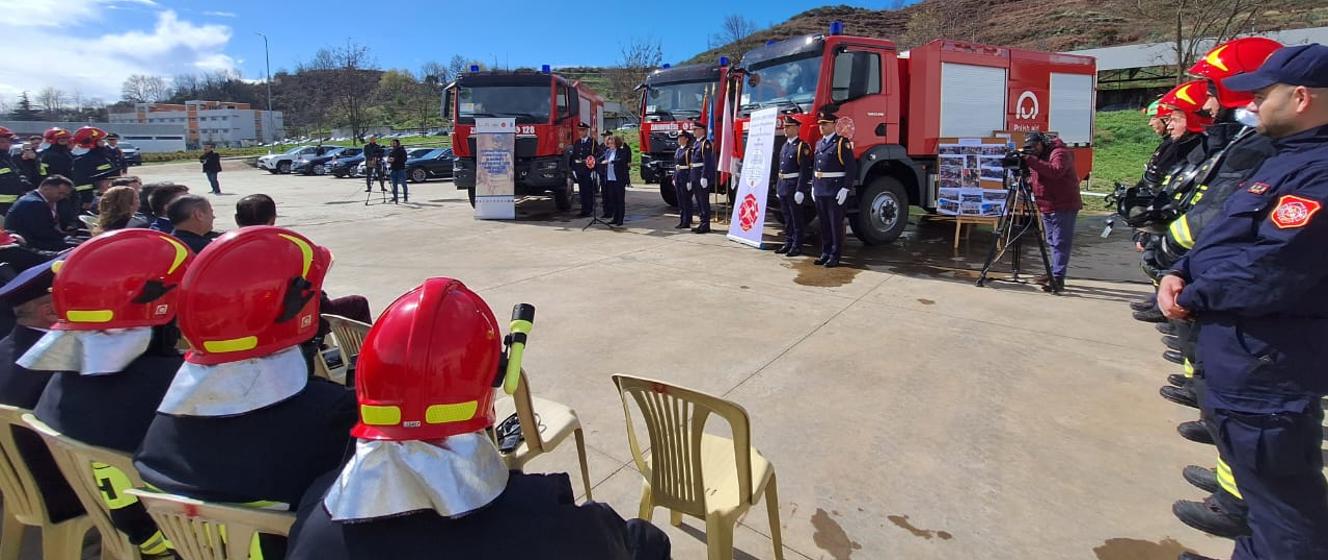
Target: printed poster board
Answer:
pixel 971 178
pixel 495 184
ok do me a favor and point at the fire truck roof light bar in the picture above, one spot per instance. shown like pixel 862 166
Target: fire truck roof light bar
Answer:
pixel 723 61
pixel 474 68
pixel 836 27
pixel 545 69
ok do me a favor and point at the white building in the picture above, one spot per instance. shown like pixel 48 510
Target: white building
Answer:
pixel 217 122
pixel 149 138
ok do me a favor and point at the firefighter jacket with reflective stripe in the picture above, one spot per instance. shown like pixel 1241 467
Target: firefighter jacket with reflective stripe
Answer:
pixel 270 454
pixel 1158 165
pixel 795 168
pixel 535 517
pixel 1257 283
pixel 12 182
pixel 57 160
pixel 91 167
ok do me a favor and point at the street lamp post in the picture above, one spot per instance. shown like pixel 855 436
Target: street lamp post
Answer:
pixel 267 62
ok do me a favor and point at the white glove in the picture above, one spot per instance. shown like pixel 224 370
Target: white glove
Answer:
pixel 689 186
pixel 842 196
pixel 704 183
pixel 798 197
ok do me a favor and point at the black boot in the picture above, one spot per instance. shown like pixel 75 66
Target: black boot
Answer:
pixel 1195 431
pixel 703 228
pixel 1153 315
pixel 679 226
pixel 794 251
pixel 1166 328
pixel 832 262
pixel 1208 517
pixel 1145 303
pixel 1202 478
pixel 1172 342
pixel 1173 357
pixel 1180 396
pixel 783 248
pixel 821 260
pixel 1178 380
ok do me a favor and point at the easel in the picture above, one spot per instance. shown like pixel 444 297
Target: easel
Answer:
pixel 960 221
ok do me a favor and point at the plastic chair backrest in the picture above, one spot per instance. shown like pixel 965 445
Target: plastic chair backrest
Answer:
pixel 349 334
pixel 675 418
pixel 207 531
pixel 525 413
pixel 22 497
pixel 75 459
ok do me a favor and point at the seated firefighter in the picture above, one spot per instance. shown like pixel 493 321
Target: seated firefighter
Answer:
pixel 426 481
pixel 242 421
pixel 114 347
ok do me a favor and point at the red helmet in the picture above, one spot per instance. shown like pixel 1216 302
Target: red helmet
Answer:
pixel 254 291
pixel 121 279
pixel 55 133
pixel 88 137
pixel 1231 58
pixel 7 134
pixel 427 367
pixel 1189 98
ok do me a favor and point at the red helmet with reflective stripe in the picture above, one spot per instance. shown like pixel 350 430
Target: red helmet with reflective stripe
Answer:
pixel 1231 58
pixel 252 292
pixel 427 367
pixel 88 137
pixel 6 133
pixel 1189 98
pixel 121 279
pixel 55 133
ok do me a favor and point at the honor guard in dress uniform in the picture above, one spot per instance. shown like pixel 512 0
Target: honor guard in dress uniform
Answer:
pixel 584 175
pixel 426 480
pixel 12 182
pixel 115 154
pixel 682 179
pixel 92 166
pixel 703 175
pixel 115 350
pixel 243 421
pixel 795 173
pixel 29 294
pixel 835 171
pixel 1257 285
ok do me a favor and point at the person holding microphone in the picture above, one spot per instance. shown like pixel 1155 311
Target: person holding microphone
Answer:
pixel 614 165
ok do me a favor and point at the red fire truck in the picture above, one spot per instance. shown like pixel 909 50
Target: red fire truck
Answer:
pixel 547 109
pixel 901 104
pixel 672 97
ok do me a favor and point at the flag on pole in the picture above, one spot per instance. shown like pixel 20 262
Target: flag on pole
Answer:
pixel 727 142
pixel 710 123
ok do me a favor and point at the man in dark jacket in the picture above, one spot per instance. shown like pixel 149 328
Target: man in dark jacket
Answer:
pixel 396 162
pixel 211 161
pixel 1056 186
pixel 192 219
pixel 36 216
pixel 373 156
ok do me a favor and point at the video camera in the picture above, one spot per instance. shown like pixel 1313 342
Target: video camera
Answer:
pixel 1014 159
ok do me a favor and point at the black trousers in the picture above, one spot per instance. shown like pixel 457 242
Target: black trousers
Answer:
pixel 615 195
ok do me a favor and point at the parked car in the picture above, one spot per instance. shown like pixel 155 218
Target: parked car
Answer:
pixel 318 165
pixel 411 153
pixel 132 155
pixel 436 163
pixel 281 163
pixel 344 165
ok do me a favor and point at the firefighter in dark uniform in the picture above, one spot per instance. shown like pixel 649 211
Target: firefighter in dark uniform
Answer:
pixel 682 179
pixel 29 161
pixel 115 154
pixel 56 159
pixel 244 422
pixel 795 173
pixel 584 175
pixel 12 182
pixel 423 484
pixel 1256 284
pixel 835 171
pixel 1238 150
pixel 702 176
pixel 91 167
pixel 115 350
pixel 29 294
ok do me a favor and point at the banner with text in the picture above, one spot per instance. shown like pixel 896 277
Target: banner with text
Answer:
pixel 495 185
pixel 753 186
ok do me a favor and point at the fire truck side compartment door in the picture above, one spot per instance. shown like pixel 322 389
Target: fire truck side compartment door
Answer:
pixel 972 100
pixel 1072 107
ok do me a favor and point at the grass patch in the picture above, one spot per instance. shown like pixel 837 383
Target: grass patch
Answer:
pixel 1121 148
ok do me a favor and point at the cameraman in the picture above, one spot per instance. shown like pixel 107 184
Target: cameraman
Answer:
pixel 1056 186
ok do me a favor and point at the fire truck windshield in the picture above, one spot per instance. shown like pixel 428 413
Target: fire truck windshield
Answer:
pixel 528 104
pixel 783 82
pixel 676 101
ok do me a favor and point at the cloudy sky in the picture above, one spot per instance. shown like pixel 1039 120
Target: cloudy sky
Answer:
pixel 91 46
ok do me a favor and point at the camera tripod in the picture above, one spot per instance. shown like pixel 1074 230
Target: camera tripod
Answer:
pixel 1018 219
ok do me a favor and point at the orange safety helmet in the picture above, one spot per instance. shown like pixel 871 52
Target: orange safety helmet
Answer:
pixel 55 133
pixel 7 134
pixel 121 279
pixel 254 291
pixel 428 366
pixel 1189 98
pixel 1232 58
pixel 88 137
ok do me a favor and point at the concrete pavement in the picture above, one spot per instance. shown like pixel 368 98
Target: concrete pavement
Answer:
pixel 908 414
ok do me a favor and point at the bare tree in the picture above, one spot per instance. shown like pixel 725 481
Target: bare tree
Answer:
pixel 735 28
pixel 932 20
pixel 349 79
pixel 1197 25
pixel 52 102
pixel 141 88
pixel 638 58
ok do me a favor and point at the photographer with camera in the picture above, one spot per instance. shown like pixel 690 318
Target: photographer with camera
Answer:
pixel 1056 187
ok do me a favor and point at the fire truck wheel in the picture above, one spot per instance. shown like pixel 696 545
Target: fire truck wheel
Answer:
pixel 470 193
pixel 667 193
pixel 882 212
pixel 562 198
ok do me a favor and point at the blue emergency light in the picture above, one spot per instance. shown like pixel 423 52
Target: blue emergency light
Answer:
pixel 545 69
pixel 723 61
pixel 474 68
pixel 666 66
pixel 836 27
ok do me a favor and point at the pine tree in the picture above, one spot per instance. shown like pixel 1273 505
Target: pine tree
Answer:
pixel 24 110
